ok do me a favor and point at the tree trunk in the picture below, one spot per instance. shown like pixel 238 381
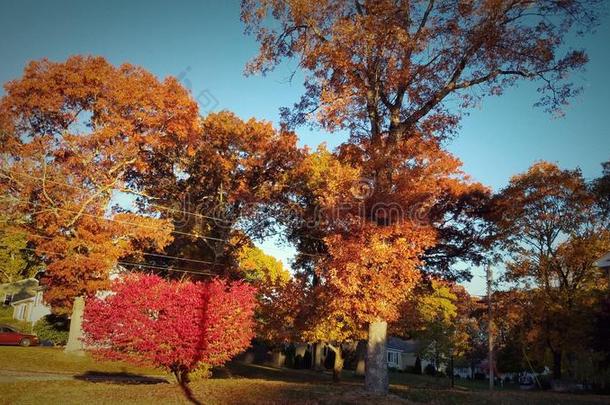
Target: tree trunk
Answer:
pixel 361 355
pixel 452 371
pixel 557 365
pixel 316 364
pixel 75 344
pixel 182 377
pixel 376 374
pixel 338 363
pixel 277 358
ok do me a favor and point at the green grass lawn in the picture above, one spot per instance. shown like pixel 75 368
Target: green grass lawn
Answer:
pixel 235 384
pixel 54 360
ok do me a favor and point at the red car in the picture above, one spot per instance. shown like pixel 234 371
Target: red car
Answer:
pixel 11 336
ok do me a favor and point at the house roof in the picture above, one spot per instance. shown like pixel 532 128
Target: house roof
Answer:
pixel 401 345
pixel 20 290
pixel 22 300
pixel 604 261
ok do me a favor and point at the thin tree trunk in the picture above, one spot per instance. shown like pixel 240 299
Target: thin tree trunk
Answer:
pixel 361 355
pixel 277 358
pixel 557 365
pixel 182 377
pixel 452 372
pixel 376 374
pixel 338 364
pixel 316 364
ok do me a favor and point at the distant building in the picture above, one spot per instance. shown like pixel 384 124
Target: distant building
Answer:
pixel 30 309
pixel 11 292
pixel 25 297
pixel 604 263
pixel 403 354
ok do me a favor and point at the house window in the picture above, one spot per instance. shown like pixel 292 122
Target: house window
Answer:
pixel 7 299
pixel 20 312
pixel 393 357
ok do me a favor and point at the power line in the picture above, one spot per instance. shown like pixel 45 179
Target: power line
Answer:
pixel 178 258
pixel 205 273
pixel 125 191
pixel 169 268
pixel 127 222
pixel 311 254
pixel 146 253
pixel 142 225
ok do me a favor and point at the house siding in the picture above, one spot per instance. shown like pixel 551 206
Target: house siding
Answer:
pixel 30 309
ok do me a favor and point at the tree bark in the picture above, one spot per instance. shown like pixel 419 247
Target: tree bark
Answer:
pixel 75 344
pixel 557 365
pixel 376 372
pixel 361 355
pixel 316 364
pixel 452 371
pixel 277 358
pixel 338 363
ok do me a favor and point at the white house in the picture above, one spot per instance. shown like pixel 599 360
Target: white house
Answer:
pixel 25 298
pixel 604 264
pixel 30 309
pixel 403 353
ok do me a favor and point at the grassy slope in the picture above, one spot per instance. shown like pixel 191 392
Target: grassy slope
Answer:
pixel 54 360
pixel 237 384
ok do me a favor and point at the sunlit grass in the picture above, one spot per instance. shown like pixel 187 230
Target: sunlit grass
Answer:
pixel 236 384
pixel 54 360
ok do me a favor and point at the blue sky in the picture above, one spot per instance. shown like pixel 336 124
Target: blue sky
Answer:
pixel 203 43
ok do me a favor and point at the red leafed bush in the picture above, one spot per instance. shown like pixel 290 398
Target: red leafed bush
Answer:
pixel 175 325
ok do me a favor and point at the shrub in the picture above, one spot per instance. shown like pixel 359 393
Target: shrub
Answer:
pixel 430 369
pixel 307 360
pixel 53 328
pixel 201 372
pixel 545 381
pixel 417 366
pixel 173 325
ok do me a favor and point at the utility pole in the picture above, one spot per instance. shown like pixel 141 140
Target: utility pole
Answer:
pixel 490 328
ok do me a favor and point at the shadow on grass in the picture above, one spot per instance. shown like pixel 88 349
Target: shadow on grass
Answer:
pixel 238 369
pixel 119 378
pixel 188 393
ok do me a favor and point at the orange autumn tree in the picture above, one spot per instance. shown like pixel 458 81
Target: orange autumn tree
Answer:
pixel 297 311
pixel 323 189
pixel 73 133
pixel 304 308
pixel 552 230
pixel 376 261
pixel 224 194
pixel 355 271
pixel 383 71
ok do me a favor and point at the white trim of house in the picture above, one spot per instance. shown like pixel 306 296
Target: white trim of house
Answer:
pixel 30 309
pixel 394 358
